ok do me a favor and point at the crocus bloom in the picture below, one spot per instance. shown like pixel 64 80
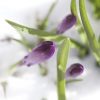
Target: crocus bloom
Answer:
pixel 39 54
pixel 74 70
pixel 66 24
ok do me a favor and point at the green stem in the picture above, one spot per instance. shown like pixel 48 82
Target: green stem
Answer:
pixel 43 69
pixel 79 25
pixel 82 49
pixel 62 58
pixel 22 42
pixel 93 42
pixel 61 84
pixel 73 80
pixel 12 68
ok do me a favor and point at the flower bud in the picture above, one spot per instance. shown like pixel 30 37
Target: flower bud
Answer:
pixel 39 54
pixel 66 24
pixel 74 70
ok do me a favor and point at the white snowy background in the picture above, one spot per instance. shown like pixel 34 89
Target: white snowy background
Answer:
pixel 28 84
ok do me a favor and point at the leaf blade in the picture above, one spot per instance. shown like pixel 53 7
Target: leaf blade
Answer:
pixel 39 33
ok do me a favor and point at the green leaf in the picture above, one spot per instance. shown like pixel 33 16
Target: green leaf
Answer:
pixel 40 33
pixel 62 55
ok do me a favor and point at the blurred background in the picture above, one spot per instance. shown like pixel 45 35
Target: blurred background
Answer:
pixel 31 83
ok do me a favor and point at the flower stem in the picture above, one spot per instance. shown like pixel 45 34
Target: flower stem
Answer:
pixel 79 25
pixel 62 58
pixel 13 68
pixel 61 84
pixel 73 80
pixel 93 42
pixel 82 49
pixel 43 69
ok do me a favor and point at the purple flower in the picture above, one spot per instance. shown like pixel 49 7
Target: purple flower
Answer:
pixel 66 24
pixel 74 70
pixel 39 54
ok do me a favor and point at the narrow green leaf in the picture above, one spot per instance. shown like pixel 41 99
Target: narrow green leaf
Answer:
pixel 39 33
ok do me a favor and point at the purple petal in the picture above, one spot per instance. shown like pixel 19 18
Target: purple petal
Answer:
pixel 66 24
pixel 74 70
pixel 39 54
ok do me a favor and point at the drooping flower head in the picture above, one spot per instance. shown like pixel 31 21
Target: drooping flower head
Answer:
pixel 39 54
pixel 66 24
pixel 74 70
